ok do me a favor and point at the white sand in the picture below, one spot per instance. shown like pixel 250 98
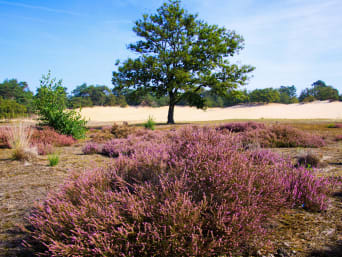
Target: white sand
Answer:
pixel 314 110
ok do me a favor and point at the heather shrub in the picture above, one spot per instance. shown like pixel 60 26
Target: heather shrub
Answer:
pixel 190 192
pixel 3 137
pixel 338 138
pixel 91 148
pixel 101 136
pixel 45 148
pixel 240 126
pixel 273 135
pixel 121 131
pixel 49 136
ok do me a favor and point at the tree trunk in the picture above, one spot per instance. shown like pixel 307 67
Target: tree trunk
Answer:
pixel 170 119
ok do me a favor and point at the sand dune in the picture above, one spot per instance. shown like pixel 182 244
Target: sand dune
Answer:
pixel 314 110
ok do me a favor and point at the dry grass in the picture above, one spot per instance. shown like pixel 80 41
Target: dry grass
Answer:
pixel 298 232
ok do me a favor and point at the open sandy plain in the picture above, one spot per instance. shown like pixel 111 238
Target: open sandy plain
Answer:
pixel 314 110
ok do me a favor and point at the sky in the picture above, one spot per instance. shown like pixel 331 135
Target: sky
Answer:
pixel 290 42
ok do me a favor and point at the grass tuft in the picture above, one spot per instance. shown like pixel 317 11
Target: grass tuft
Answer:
pixel 53 159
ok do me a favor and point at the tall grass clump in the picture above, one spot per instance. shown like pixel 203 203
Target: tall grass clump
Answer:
pixel 150 123
pixel 190 192
pixel 53 159
pixel 18 139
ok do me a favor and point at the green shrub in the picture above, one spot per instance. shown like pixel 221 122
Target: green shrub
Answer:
pixel 51 102
pixel 53 159
pixel 150 123
pixel 11 109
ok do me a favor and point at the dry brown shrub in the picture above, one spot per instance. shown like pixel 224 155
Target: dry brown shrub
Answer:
pixel 121 131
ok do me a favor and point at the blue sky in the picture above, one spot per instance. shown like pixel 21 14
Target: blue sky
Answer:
pixel 290 42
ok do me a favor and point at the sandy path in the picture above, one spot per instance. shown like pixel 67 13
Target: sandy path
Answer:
pixel 315 110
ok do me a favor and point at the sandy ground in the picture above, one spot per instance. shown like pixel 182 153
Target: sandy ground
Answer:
pixel 314 110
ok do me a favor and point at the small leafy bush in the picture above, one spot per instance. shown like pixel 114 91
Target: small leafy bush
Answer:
pixel 51 102
pixel 53 159
pixel 121 131
pixel 150 123
pixel 190 192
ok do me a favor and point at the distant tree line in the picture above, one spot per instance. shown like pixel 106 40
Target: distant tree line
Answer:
pixel 17 100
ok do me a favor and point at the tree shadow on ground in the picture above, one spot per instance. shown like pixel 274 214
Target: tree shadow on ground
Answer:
pixel 14 246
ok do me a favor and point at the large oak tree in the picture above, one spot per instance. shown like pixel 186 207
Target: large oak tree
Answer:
pixel 179 55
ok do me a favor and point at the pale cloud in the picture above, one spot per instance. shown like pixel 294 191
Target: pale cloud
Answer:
pixel 290 41
pixel 39 7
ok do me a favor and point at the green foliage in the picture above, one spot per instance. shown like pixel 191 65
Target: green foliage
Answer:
pixel 288 94
pixel 79 102
pixel 11 109
pixel 87 96
pixel 319 91
pixel 150 123
pixel 308 99
pixel 18 92
pixel 266 95
pixel 53 159
pixel 180 55
pixel 51 103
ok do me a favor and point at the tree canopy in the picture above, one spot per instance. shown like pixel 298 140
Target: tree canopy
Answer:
pixel 179 56
pixel 319 91
pixel 17 91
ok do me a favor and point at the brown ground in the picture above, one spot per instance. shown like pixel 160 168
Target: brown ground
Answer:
pixel 296 232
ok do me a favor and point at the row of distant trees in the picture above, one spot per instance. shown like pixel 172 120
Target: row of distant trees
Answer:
pixel 17 100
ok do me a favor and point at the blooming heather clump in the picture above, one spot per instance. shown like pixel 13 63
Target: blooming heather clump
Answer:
pixel 48 135
pixel 191 192
pixel 338 138
pixel 45 149
pixel 273 135
pixel 240 126
pixel 91 148
pixel 3 137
